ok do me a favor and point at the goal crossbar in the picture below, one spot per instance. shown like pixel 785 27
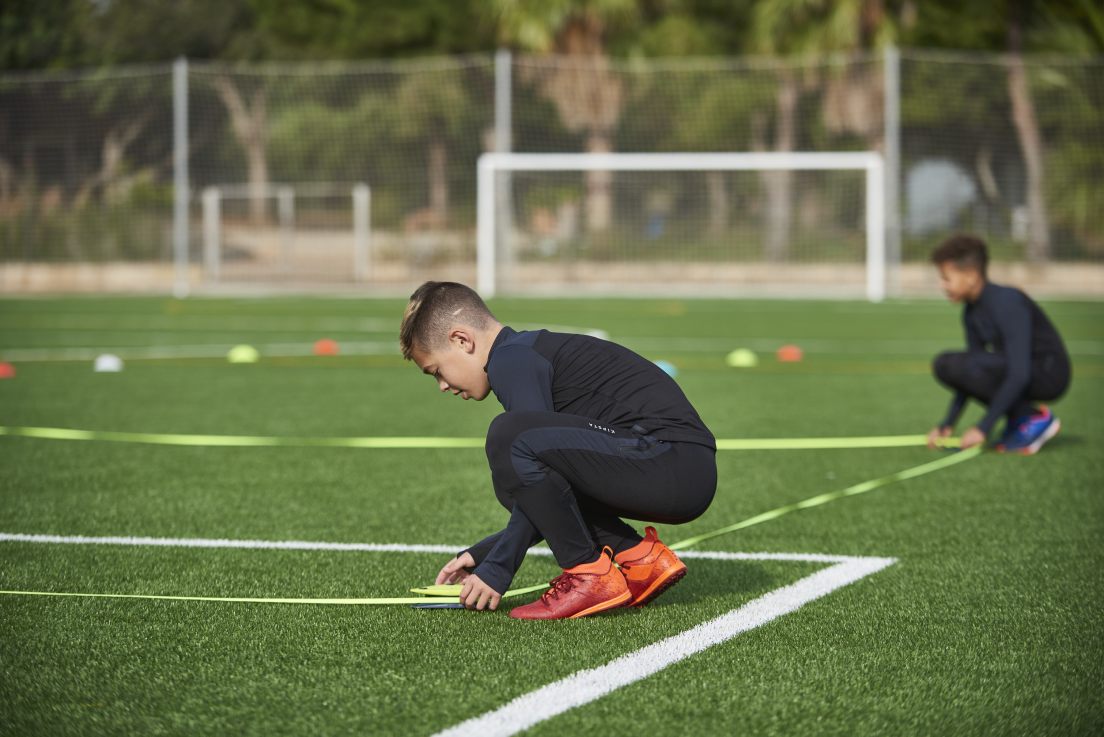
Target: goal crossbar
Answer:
pixel 868 161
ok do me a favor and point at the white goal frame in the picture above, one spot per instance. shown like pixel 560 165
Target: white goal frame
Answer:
pixel 212 197
pixel 490 164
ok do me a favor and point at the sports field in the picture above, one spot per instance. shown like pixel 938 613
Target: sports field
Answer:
pixel 966 600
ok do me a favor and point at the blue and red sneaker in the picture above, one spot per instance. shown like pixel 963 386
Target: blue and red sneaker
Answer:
pixel 1028 434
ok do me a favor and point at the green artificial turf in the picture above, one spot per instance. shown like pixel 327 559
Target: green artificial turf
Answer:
pixel 990 622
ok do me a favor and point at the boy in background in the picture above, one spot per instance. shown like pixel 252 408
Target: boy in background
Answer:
pixel 591 433
pixel 1014 357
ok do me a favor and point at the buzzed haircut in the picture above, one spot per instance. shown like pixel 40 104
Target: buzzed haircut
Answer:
pixel 964 251
pixel 434 308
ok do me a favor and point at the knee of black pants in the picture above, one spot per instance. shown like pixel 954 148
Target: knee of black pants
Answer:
pixel 503 431
pixel 699 494
pixel 501 436
pixel 945 367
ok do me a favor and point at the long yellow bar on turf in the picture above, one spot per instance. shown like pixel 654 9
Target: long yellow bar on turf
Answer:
pixel 816 501
pixel 445 594
pixel 874 441
pixel 239 441
pixel 415 442
pixel 245 599
pixel 452 591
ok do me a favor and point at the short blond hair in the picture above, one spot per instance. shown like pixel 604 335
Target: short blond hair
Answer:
pixel 434 308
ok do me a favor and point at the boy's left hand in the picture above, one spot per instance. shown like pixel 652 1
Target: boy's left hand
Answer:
pixel 478 595
pixel 456 569
pixel 972 437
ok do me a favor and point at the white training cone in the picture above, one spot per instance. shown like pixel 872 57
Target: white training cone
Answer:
pixel 107 363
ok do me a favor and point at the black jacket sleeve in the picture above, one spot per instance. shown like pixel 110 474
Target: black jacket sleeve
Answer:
pixel 522 380
pixel 498 567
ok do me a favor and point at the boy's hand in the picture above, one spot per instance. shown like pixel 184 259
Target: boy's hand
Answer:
pixel 972 437
pixel 478 595
pixel 456 569
pixel 936 435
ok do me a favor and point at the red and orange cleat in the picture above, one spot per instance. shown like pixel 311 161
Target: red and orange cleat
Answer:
pixel 580 591
pixel 650 568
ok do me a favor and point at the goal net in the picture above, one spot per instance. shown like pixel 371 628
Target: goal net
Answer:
pixel 725 224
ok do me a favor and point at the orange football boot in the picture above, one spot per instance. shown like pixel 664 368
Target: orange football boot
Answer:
pixel 650 568
pixel 580 591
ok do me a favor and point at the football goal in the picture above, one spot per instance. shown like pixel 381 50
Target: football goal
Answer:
pixel 735 224
pixel 281 233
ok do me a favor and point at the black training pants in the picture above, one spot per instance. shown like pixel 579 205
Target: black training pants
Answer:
pixel 575 478
pixel 979 374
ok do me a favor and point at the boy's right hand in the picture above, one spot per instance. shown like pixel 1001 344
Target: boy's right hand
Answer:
pixel 936 435
pixel 456 569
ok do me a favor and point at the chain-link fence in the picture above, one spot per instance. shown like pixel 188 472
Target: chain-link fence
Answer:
pixel 1009 148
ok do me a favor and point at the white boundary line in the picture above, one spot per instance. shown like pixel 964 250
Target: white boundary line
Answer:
pixel 201 542
pixel 213 350
pixel 589 685
pixel 219 350
pixel 583 686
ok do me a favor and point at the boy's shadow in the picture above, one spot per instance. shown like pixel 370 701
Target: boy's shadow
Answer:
pixel 1064 439
pixel 712 580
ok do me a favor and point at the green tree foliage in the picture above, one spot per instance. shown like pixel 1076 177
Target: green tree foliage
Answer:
pixel 354 29
pixel 588 94
pixel 1071 98
pixel 42 35
pixel 1051 119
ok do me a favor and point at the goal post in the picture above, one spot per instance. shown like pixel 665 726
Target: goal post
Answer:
pixel 491 199
pixel 322 230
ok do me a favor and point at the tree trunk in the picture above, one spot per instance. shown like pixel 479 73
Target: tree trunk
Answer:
pixel 779 184
pixel 718 202
pixel 1031 144
pixel 588 97
pixel 599 200
pixel 249 123
pixel 438 182
pixel 112 157
pixel 258 179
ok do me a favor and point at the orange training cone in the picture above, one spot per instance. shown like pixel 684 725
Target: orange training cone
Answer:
pixel 790 353
pixel 325 347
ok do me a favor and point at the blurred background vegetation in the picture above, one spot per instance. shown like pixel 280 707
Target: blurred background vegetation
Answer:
pixel 1001 107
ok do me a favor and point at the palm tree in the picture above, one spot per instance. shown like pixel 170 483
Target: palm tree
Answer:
pixel 1070 107
pixel 588 95
pixel 435 108
pixel 1031 144
pixel 806 27
pixel 249 123
pixel 722 112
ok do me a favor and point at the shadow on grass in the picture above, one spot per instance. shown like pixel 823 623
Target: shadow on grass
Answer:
pixel 707 582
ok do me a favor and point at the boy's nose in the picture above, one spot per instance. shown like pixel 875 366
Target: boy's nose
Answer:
pixel 443 385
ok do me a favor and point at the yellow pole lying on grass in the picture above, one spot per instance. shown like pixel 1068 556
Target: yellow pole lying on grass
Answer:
pixel 414 442
pixel 447 594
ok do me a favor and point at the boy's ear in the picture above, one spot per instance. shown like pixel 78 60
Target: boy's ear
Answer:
pixel 463 338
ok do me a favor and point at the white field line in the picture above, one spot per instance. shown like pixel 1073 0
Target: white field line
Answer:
pixel 200 542
pixel 194 542
pixel 79 322
pixel 662 346
pixel 583 686
pixel 267 350
pixel 589 685
pixel 859 346
pixel 219 350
